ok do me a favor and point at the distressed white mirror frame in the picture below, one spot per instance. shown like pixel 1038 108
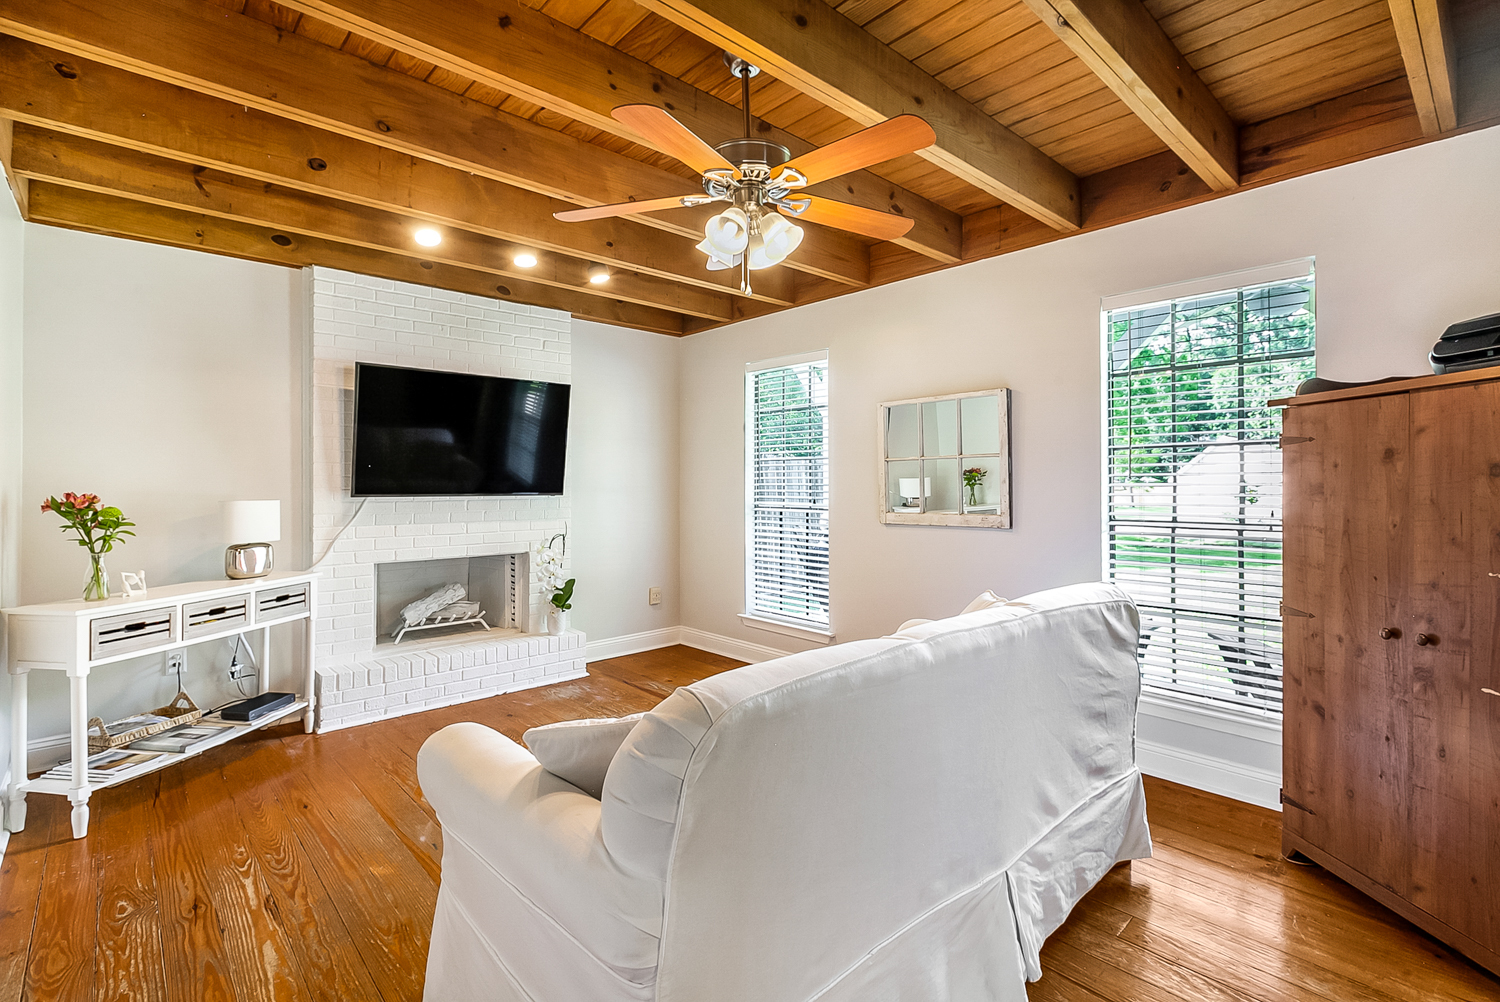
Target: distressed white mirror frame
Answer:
pixel 933 459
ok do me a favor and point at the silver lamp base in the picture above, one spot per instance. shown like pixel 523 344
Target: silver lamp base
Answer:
pixel 247 560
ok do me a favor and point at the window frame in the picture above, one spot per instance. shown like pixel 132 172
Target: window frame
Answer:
pixel 821 633
pixel 1241 706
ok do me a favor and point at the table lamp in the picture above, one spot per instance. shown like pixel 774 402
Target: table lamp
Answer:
pixel 907 488
pixel 250 527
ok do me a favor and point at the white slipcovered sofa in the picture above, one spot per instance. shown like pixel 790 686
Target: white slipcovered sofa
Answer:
pixel 897 819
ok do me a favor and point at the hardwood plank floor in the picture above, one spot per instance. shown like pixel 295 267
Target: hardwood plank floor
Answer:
pixel 294 866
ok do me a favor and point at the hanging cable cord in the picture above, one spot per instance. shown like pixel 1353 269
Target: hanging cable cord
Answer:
pixel 342 529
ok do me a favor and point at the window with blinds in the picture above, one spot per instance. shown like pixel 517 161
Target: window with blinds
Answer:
pixel 1194 515
pixel 787 531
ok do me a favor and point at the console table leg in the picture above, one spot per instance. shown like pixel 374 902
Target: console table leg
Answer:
pixel 79 794
pixel 15 794
pixel 309 636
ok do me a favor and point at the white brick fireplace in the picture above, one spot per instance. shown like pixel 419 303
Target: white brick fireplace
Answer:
pixel 407 544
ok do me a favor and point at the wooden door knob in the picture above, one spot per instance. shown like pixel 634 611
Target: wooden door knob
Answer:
pixel 1426 639
pixel 1390 633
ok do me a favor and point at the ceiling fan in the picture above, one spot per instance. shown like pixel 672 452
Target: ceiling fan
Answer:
pixel 756 176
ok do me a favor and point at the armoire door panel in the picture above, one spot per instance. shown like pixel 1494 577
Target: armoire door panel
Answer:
pixel 1455 541
pixel 1347 701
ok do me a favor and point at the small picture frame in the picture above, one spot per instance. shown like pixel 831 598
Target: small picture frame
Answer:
pixel 134 583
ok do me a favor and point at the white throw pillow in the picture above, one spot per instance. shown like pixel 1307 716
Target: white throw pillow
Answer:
pixel 580 751
pixel 985 600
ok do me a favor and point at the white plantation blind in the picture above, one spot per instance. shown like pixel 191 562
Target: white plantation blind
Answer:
pixel 1194 516
pixel 787 531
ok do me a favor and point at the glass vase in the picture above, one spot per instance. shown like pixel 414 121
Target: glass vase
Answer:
pixel 973 495
pixel 96 588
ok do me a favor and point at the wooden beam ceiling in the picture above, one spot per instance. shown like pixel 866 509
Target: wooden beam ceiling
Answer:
pixel 326 131
pixel 1122 43
pixel 76 208
pixel 83 163
pixel 250 63
pixel 113 106
pixel 1431 58
pixel 540 59
pixel 813 47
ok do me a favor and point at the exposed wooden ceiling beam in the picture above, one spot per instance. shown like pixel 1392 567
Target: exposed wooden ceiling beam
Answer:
pixel 83 163
pixel 239 59
pixel 17 183
pixel 1122 43
pixel 1431 58
pixel 524 52
pixel 112 105
pixel 822 53
pixel 99 213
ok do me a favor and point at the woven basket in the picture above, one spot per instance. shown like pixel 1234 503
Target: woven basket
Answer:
pixel 181 710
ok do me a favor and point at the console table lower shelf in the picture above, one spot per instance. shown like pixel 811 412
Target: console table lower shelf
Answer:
pixel 59 779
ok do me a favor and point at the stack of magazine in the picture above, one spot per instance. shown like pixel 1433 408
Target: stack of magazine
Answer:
pixel 110 766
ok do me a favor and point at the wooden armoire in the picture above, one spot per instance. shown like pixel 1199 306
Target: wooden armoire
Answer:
pixel 1392 661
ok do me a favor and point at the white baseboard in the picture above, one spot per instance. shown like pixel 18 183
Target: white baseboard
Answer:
pixel 1234 780
pixel 729 647
pixel 632 643
pixel 44 752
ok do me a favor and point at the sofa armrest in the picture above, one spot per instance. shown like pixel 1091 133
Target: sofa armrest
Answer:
pixel 541 835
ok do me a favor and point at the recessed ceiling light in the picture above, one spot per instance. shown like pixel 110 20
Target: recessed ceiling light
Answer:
pixel 598 274
pixel 428 237
pixel 525 259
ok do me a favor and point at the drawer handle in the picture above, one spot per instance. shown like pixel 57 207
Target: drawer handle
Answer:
pixel 1390 633
pixel 1426 639
pixel 219 610
pixel 133 627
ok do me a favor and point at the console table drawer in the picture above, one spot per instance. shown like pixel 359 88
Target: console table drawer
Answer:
pixel 215 615
pixel 133 631
pixel 278 603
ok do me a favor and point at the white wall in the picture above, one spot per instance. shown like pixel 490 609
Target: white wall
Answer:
pixel 165 381
pixel 12 244
pixel 622 470
pixel 1405 245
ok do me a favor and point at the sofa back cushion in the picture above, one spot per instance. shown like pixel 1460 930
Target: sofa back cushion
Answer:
pixel 813 806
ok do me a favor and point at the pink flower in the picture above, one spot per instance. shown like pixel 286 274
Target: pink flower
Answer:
pixel 47 505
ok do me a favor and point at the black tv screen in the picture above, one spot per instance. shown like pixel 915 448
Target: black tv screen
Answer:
pixel 421 432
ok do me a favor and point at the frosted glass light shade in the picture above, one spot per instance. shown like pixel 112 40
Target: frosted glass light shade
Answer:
pixel 252 521
pixel 907 487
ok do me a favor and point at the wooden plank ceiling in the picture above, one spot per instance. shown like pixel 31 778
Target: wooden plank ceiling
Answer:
pixel 328 131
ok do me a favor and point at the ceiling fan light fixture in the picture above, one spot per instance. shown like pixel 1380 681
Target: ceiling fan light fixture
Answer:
pixel 718 259
pixel 775 241
pixel 524 259
pixel 728 232
pixel 598 274
pixel 428 237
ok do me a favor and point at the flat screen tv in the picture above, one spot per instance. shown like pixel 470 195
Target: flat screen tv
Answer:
pixel 418 432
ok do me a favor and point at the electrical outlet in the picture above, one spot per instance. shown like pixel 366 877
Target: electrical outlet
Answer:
pixel 174 662
pixel 654 596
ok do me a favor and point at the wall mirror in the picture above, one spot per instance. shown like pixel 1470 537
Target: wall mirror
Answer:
pixel 946 460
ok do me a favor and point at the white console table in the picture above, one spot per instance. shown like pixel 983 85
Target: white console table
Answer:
pixel 79 637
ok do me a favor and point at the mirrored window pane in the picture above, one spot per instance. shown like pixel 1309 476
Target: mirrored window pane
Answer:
pixel 903 489
pixel 940 428
pixel 901 431
pixel 942 485
pixel 981 424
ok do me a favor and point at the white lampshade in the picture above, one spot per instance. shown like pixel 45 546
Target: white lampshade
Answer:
pixel 907 487
pixel 728 232
pixel 252 521
pixel 775 241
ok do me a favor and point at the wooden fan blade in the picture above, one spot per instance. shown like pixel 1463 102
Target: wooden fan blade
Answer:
pixel 854 218
pixel 890 139
pixel 665 134
pixel 620 209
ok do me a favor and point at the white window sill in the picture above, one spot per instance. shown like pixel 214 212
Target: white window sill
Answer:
pixel 787 629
